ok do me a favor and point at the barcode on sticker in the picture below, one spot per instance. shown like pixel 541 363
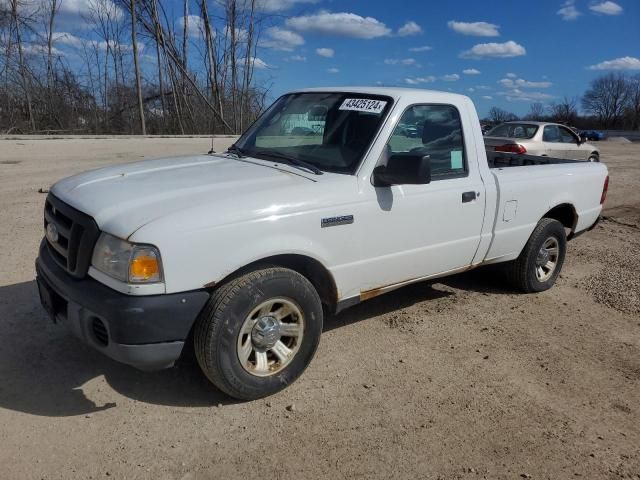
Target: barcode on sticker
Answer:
pixel 363 105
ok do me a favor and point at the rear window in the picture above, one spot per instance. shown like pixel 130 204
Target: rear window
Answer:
pixel 514 130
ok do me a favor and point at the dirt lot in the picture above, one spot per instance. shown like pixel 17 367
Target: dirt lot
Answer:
pixel 462 378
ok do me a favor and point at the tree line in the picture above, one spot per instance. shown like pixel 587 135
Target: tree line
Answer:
pixel 612 101
pixel 198 74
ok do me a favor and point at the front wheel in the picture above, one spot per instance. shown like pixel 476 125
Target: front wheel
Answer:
pixel 259 332
pixel 540 262
pixel 594 157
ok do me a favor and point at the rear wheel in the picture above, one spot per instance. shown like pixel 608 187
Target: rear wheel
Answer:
pixel 259 332
pixel 540 262
pixel 594 157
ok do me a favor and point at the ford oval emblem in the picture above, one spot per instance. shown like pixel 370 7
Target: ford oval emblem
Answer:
pixel 52 233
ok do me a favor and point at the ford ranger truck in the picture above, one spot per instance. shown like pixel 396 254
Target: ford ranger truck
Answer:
pixel 326 201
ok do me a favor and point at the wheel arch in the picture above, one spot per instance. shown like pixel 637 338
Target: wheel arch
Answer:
pixel 566 214
pixel 309 267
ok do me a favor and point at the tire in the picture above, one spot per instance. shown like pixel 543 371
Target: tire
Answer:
pixel 594 157
pixel 249 313
pixel 524 272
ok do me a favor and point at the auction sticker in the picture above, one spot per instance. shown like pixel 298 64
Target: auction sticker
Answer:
pixel 363 105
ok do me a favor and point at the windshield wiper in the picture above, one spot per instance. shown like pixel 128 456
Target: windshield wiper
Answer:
pixel 293 161
pixel 239 152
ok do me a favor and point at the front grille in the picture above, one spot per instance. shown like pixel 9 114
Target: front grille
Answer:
pixel 70 236
pixel 100 332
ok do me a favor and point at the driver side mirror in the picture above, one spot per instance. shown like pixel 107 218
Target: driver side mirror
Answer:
pixel 403 169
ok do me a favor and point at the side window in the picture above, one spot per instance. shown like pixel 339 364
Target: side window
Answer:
pixel 567 136
pixel 434 130
pixel 551 134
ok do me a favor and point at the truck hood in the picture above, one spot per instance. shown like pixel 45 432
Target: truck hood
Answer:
pixel 123 198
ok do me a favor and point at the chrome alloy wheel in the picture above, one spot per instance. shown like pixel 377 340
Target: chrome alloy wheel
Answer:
pixel 547 259
pixel 270 337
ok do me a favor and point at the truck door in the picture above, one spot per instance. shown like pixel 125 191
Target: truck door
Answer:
pixel 422 230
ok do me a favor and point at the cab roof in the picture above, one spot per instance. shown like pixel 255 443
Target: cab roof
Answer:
pixel 413 94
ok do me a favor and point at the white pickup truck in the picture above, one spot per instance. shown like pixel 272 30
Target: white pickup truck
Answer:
pixel 324 202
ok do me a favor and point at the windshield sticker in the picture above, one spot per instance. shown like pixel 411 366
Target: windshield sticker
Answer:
pixel 363 105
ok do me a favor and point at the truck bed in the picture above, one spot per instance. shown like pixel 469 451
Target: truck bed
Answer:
pixel 502 160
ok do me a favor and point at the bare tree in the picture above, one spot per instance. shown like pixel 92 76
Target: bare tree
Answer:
pixel 536 112
pixel 497 115
pixel 16 23
pixel 633 101
pixel 52 6
pixel 134 45
pixel 112 89
pixel 564 111
pixel 606 98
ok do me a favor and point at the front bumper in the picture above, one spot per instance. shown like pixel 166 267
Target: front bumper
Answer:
pixel 147 332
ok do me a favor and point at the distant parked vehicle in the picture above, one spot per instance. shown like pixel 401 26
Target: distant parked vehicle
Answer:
pixel 409 130
pixel 540 139
pixel 593 135
pixel 485 128
pixel 302 131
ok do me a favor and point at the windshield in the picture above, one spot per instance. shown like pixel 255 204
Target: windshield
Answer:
pixel 514 130
pixel 329 131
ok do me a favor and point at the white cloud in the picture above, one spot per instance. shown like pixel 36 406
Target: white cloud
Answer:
pixel 517 95
pixel 240 33
pixel 280 5
pixel 497 50
pixel 471 71
pixel 419 80
pixel 37 49
pixel 280 39
pixel 606 8
pixel 483 87
pixel 476 29
pixel 568 11
pixel 487 97
pixel 521 83
pixel 297 58
pixel 325 52
pixel 341 24
pixel 73 14
pixel 112 44
pixel 333 70
pixel 424 48
pixel 471 89
pixel 83 7
pixel 409 28
pixel 511 75
pixel 195 25
pixel 453 77
pixel 400 61
pixel 258 63
pixel 622 63
pixel 68 39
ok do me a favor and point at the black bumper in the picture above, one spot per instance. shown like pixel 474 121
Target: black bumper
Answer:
pixel 147 332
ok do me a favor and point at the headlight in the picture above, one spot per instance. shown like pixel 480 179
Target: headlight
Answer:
pixel 126 261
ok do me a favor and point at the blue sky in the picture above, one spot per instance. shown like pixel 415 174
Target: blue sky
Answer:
pixel 503 53
pixel 553 48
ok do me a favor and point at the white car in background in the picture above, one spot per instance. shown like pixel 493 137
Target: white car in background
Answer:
pixel 540 139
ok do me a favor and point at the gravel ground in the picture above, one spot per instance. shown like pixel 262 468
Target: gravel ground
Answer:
pixel 457 379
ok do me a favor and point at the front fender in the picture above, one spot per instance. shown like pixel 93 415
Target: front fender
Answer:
pixel 198 258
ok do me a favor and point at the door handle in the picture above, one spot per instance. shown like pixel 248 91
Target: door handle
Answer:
pixel 468 197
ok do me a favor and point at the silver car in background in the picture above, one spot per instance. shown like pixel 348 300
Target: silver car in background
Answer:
pixel 540 139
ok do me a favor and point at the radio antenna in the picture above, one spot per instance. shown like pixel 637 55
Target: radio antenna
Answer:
pixel 212 150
